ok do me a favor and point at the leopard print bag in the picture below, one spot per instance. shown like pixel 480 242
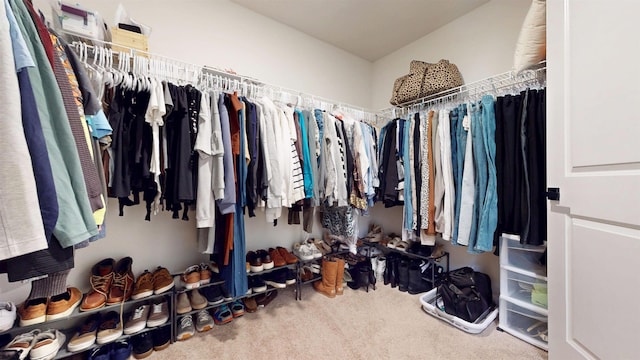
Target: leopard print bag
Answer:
pixel 425 79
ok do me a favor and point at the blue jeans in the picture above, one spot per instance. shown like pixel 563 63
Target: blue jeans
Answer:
pixel 488 216
pixel 408 206
pixel 480 166
pixel 460 140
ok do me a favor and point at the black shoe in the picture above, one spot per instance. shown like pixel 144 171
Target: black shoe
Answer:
pixel 394 271
pixel 213 294
pixel 225 293
pixel 161 338
pixel 121 350
pixel 101 353
pixel 142 345
pixel 291 277
pixel 403 275
pixel 363 275
pixel 264 299
pixel 257 284
pixel 277 279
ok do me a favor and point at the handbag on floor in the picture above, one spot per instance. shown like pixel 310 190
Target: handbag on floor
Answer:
pixel 425 79
pixel 466 293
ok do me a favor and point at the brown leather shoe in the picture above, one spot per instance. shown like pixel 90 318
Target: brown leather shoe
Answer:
pixel 33 311
pixel 278 260
pixel 144 286
pixel 122 285
pixel 101 278
pixel 162 280
pixel 287 256
pixel 265 258
pixel 250 305
pixel 63 305
pixel 254 262
pixel 191 277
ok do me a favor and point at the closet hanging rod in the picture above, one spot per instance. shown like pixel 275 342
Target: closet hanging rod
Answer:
pixel 208 69
pixel 291 92
pixel 485 85
pixel 132 51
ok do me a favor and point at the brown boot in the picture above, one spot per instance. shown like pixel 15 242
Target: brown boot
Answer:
pixel 122 284
pixel 339 276
pixel 101 278
pixel 327 286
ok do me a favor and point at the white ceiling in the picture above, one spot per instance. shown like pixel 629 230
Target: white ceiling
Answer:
pixel 369 29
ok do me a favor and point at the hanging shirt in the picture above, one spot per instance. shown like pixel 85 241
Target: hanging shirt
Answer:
pixel 227 203
pixel 22 226
pixel 75 220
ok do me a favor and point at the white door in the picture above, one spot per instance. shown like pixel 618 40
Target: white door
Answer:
pixel 593 155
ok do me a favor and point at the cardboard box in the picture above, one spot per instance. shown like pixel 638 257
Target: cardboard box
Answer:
pixel 128 39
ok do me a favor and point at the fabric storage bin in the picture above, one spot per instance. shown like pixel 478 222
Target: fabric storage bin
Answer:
pixel 434 307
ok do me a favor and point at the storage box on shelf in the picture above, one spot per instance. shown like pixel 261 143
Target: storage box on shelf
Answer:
pixel 523 290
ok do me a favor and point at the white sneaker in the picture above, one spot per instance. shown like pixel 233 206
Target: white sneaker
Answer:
pixel 302 252
pixel 204 321
pixel 313 249
pixel 7 315
pixel 46 345
pixel 23 343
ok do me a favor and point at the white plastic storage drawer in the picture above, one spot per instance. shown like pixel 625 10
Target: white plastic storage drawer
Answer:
pixel 514 256
pixel 525 288
pixel 524 324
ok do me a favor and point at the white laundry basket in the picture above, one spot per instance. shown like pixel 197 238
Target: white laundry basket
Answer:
pixel 434 307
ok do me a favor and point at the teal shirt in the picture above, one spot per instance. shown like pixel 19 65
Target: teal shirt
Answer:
pixel 75 220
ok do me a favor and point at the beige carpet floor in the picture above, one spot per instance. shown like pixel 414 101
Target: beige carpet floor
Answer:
pixel 381 324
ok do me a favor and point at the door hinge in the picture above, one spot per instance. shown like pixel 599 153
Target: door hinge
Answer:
pixel 553 194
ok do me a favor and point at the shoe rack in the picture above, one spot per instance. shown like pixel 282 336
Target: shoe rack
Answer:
pixel 444 257
pixel 70 324
pixel 174 311
pixel 270 288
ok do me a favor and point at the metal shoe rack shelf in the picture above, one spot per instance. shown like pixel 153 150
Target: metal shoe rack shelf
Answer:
pixel 433 260
pixel 269 287
pixel 69 325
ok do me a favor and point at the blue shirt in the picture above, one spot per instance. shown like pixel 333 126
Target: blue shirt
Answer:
pixel 21 55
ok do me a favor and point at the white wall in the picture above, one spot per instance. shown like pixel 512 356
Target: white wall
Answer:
pixel 481 43
pixel 225 35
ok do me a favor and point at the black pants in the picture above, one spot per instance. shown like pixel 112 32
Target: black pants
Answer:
pixel 521 165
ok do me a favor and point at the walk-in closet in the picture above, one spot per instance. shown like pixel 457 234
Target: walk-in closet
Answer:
pixel 390 179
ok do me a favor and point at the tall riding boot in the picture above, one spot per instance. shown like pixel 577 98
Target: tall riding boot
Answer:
pixel 339 276
pixel 403 275
pixel 327 285
pixel 381 268
pixel 387 270
pixel 372 278
pixel 394 272
pixel 363 276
